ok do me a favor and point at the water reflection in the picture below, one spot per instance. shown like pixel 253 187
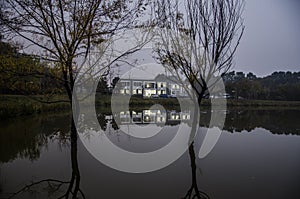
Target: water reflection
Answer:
pixel 147 116
pixel 275 121
pixel 24 137
pixel 29 139
pixel 193 191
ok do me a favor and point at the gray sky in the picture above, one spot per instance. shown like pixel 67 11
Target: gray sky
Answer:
pixel 271 41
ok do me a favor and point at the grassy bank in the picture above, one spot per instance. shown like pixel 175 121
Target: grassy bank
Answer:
pixel 262 104
pixel 104 101
pixel 16 105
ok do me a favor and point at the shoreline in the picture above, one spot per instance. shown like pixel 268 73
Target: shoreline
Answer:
pixel 17 105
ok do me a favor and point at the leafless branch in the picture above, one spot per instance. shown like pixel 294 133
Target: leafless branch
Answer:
pixel 199 38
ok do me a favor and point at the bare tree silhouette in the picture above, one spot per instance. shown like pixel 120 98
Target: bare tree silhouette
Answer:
pixel 54 186
pixel 194 191
pixel 197 39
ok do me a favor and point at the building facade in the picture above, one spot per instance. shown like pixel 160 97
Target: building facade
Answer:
pixel 158 87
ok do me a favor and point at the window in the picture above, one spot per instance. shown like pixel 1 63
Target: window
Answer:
pixel 125 83
pixel 137 84
pixel 149 85
pixel 161 85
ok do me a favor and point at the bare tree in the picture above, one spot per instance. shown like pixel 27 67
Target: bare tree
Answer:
pixel 57 188
pixel 62 31
pixel 196 42
pixel 193 191
pixel 197 39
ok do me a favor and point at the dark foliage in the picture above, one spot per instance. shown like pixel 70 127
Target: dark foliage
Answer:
pixel 277 86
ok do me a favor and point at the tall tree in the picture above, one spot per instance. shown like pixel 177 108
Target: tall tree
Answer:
pixel 196 41
pixel 62 31
pixel 198 38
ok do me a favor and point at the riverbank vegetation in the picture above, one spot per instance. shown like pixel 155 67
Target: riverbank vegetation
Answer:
pixel 28 86
pixel 17 105
pixel 284 86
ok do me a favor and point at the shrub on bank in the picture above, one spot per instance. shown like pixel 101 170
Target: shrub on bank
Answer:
pixel 13 106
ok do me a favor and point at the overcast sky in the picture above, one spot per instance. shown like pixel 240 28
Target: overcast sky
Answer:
pixel 271 41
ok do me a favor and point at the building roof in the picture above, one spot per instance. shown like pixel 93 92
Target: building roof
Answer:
pixel 144 72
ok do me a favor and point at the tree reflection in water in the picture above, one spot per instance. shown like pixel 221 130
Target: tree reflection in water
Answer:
pixel 194 191
pixel 54 187
pixel 28 138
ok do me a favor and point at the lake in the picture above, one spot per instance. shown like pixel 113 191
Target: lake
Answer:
pixel 256 156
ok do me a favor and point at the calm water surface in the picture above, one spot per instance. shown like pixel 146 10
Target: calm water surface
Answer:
pixel 257 156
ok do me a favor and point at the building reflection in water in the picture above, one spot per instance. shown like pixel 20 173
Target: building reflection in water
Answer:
pixel 153 117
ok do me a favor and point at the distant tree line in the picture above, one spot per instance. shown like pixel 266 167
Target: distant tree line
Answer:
pixel 25 74
pixel 277 86
pixel 21 73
